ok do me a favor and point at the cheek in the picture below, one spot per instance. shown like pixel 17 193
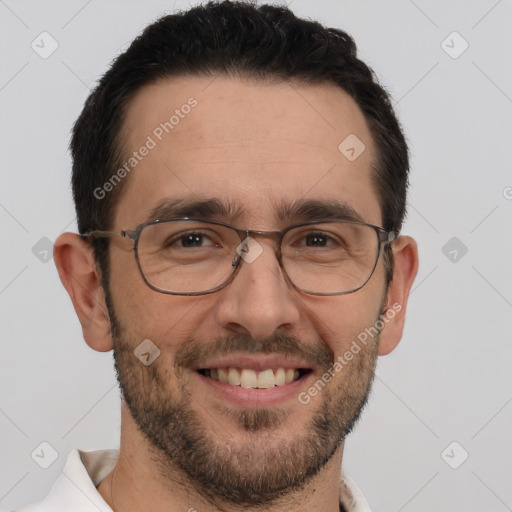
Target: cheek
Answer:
pixel 137 307
pixel 347 318
pixel 126 287
pixel 143 313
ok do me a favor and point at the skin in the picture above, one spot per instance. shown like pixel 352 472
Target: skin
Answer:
pixel 257 145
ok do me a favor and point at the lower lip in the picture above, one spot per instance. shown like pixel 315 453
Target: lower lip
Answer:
pixel 255 397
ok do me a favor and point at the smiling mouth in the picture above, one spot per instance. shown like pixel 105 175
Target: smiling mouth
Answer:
pixel 252 379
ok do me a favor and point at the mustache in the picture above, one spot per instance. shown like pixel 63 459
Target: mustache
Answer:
pixel 195 351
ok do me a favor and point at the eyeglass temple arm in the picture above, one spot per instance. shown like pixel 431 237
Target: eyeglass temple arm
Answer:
pixel 110 234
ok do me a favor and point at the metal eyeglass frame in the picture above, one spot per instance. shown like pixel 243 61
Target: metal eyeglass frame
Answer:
pixel 383 237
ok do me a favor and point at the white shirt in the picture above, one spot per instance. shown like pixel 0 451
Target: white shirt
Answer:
pixel 75 489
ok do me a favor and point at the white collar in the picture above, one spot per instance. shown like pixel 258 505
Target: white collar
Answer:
pixel 75 489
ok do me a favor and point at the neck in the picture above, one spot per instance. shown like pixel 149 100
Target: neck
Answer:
pixel 137 482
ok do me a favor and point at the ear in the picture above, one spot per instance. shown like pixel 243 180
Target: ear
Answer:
pixel 76 265
pixel 405 255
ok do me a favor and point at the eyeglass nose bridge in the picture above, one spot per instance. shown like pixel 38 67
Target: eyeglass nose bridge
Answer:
pixel 246 234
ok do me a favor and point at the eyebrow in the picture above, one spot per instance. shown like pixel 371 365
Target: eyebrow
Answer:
pixel 201 208
pixel 316 209
pixel 216 209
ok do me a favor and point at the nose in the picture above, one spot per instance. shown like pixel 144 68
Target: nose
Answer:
pixel 259 300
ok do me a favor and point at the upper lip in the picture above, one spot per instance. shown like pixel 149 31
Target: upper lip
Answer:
pixel 254 362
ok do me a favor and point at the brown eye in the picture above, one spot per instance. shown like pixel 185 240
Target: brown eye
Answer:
pixel 316 240
pixel 189 240
pixel 192 240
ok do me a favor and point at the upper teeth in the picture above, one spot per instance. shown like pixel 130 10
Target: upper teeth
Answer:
pixel 248 378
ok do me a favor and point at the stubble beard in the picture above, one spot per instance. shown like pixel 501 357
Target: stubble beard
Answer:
pixel 265 469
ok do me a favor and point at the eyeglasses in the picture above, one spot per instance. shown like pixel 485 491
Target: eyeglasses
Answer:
pixel 189 256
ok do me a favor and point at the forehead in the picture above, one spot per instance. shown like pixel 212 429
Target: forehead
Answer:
pixel 253 145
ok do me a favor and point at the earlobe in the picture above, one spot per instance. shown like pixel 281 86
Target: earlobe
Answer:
pixel 75 263
pixel 405 255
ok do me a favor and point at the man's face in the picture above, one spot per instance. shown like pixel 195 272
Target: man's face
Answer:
pixel 257 149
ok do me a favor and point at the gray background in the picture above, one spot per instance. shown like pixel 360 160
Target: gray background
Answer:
pixel 449 380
